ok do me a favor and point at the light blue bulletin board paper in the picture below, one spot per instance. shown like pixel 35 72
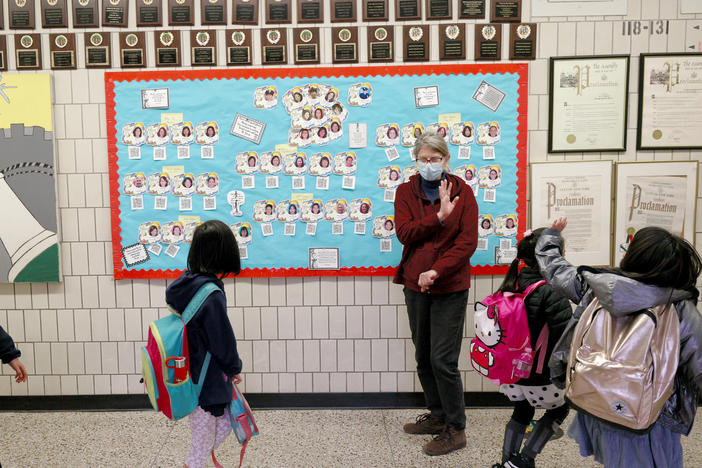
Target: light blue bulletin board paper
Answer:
pixel 369 95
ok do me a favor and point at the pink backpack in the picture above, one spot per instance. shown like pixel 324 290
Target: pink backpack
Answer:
pixel 501 350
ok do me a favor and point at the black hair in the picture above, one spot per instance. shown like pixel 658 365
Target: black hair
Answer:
pixel 214 250
pixel 657 257
pixel 525 252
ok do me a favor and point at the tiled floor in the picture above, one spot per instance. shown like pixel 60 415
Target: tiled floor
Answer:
pixel 289 438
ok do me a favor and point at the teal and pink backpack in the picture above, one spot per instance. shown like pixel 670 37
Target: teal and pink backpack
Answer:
pixel 168 339
pixel 501 350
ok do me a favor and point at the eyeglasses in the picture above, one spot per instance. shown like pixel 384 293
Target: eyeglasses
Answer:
pixel 430 160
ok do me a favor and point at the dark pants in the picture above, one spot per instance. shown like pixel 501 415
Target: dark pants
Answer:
pixel 436 321
pixel 523 413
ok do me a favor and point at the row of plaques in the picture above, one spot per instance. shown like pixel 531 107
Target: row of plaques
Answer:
pixel 86 13
pixel 274 46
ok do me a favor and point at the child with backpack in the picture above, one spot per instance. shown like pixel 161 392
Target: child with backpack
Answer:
pixel 658 270
pixel 214 255
pixel 547 314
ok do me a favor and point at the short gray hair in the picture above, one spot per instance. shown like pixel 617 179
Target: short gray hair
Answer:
pixel 432 140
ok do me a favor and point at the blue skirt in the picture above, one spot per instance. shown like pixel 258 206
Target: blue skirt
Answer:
pixel 617 448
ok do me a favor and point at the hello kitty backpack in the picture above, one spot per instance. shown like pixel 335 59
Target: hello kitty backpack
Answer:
pixel 501 350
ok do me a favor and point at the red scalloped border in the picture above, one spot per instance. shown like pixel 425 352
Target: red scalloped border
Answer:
pixel 522 69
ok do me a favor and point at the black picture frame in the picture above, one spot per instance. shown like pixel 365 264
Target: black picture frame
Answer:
pixel 552 64
pixel 640 108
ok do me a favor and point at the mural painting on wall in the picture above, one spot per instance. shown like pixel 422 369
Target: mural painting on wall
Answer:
pixel 28 233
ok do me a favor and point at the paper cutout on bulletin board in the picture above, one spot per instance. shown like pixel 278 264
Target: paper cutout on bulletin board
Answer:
pixel 302 186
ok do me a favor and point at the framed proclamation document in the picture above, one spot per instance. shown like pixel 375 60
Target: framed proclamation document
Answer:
pixel 662 193
pixel 588 103
pixel 582 192
pixel 670 96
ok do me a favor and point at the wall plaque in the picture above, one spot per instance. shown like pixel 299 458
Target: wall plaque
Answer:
pixel 488 41
pixel 416 43
pixel 245 12
pixel 3 53
pixel 345 44
pixel 375 10
pixel 167 48
pixel 213 12
pixel 85 14
pixel 407 10
pixel 452 41
pixel 380 44
pixel 343 11
pixel 2 16
pixel 115 13
pixel 506 11
pixel 149 13
pixel 306 44
pixel 21 14
pixel 438 9
pixel 28 51
pixel 54 14
pixel 474 9
pixel 522 41
pixel 239 47
pixel 203 46
pixel 278 12
pixel 62 48
pixel 274 45
pixel 310 11
pixel 180 12
pixel 97 50
pixel 132 51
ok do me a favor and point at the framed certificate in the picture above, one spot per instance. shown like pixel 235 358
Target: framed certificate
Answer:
pixel 670 97
pixel 662 193
pixel 588 103
pixel 582 192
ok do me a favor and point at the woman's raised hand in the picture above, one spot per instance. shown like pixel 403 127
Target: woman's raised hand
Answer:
pixel 447 205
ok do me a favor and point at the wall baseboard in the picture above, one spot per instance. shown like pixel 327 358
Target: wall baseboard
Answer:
pixel 256 400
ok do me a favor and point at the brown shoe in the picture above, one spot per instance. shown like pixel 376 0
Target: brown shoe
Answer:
pixel 425 424
pixel 449 440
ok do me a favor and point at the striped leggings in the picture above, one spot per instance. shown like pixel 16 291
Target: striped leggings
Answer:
pixel 208 432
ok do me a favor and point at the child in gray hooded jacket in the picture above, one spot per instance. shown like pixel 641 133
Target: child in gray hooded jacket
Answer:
pixel 658 267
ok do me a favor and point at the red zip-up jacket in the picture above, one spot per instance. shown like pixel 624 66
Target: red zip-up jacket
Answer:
pixel 432 245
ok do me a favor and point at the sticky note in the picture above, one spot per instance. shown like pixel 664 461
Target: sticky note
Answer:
pixel 170 118
pixel 450 118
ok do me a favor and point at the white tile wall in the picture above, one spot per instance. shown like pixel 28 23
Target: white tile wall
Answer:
pixel 82 336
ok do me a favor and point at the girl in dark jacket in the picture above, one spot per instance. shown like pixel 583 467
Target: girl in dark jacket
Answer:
pixel 545 308
pixel 213 256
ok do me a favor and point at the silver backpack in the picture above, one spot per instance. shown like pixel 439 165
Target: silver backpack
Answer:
pixel 622 369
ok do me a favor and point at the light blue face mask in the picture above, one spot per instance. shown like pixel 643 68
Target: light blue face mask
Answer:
pixel 430 171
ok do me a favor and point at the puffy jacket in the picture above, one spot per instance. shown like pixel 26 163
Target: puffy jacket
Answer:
pixel 543 307
pixel 429 244
pixel 208 330
pixel 8 352
pixel 622 295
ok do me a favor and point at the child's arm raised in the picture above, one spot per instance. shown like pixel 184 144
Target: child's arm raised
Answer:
pixel 555 269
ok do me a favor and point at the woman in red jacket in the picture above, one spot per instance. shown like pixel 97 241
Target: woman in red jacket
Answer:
pixel 436 220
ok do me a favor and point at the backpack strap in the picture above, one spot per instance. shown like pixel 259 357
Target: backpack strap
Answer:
pixel 197 300
pixel 533 286
pixel 189 312
pixel 541 345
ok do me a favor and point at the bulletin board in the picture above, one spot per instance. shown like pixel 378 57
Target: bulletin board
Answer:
pixel 303 163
